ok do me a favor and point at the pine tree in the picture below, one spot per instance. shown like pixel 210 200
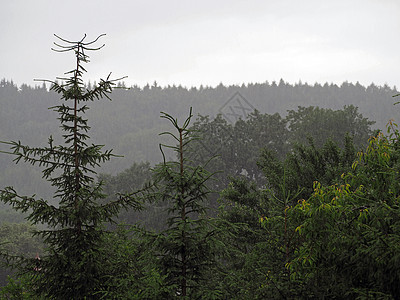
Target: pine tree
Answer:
pixel 75 263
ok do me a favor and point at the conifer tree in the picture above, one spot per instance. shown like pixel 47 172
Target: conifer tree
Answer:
pixel 188 246
pixel 75 263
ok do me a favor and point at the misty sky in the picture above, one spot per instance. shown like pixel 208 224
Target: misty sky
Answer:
pixel 207 42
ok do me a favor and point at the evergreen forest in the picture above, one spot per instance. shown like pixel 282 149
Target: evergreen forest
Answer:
pixel 260 191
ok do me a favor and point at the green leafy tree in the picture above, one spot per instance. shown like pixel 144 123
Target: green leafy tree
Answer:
pixel 237 146
pixel 321 124
pixel 351 231
pixel 257 132
pixel 75 263
pixel 266 239
pixel 214 139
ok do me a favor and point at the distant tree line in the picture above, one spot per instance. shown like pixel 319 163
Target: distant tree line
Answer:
pixel 131 124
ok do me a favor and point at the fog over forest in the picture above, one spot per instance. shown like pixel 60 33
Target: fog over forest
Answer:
pixel 250 152
pixel 130 124
pixel 255 131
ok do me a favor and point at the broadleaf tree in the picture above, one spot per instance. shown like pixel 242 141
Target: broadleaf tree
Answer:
pixel 351 231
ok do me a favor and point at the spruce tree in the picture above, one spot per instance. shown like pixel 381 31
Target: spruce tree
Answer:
pixel 75 263
pixel 188 247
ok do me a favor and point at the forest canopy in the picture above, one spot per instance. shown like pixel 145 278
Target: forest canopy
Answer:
pixel 271 191
pixel 130 123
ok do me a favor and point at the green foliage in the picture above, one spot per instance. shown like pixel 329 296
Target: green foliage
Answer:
pixel 306 164
pixel 134 269
pixel 187 248
pixel 132 126
pixel 20 289
pixel 75 264
pixel 266 240
pixel 17 240
pixel 351 232
pixel 237 146
pixel 291 226
pixel 8 215
pixel 244 202
pixel 135 178
pixel 321 124
pixel 246 267
pixel 130 180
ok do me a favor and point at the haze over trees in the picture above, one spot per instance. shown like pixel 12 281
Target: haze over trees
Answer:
pixel 295 195
pixel 130 123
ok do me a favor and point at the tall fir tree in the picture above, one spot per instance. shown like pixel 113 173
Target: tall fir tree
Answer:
pixel 189 246
pixel 75 263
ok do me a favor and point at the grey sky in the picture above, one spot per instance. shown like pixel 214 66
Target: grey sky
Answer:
pixel 207 42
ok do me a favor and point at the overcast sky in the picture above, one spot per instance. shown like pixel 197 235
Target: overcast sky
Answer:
pixel 207 42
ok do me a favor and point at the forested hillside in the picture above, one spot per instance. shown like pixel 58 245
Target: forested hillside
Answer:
pixel 274 191
pixel 131 123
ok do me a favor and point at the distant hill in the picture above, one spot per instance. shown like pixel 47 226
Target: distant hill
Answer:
pixel 130 124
